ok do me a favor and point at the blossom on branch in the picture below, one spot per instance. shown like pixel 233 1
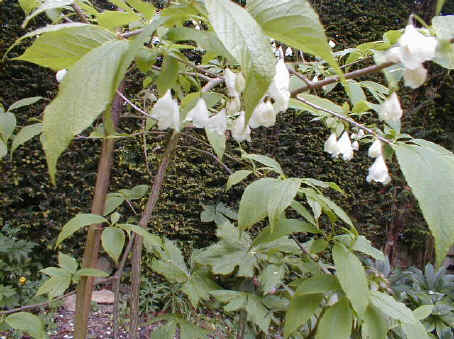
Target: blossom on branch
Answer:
pixel 379 172
pixel 167 112
pixel 217 123
pixel 199 114
pixel 279 88
pixel 375 150
pixel 241 131
pixel 390 110
pixel 264 115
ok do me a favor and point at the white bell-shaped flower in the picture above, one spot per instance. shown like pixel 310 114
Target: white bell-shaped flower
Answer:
pixel 60 75
pixel 414 78
pixel 332 146
pixel 345 147
pixel 332 44
pixel 375 150
pixel 379 172
pixel 415 48
pixel 279 88
pixel 390 110
pixel 167 112
pixel 264 115
pixel 355 145
pixel 288 52
pixel 233 105
pixel 199 114
pixel 217 123
pixel 230 80
pixel 241 131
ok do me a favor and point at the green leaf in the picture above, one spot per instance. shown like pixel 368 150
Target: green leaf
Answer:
pixel 440 4
pixel 363 245
pixel 145 8
pixel 337 319
pixel 168 76
pixel 46 5
pixel 55 286
pixel 151 239
pixel 62 48
pixel 300 310
pixel 318 284
pixel 415 331
pixel 294 23
pixel 90 272
pixel 429 171
pixel 198 287
pixel 25 134
pixel 27 322
pixel 281 197
pixel 114 19
pixel 283 228
pixel 79 102
pixel 7 125
pixel 392 308
pixel 232 250
pixel 29 5
pixel 76 223
pixel 244 39
pixel 356 93
pixel 443 26
pixel 254 202
pixel 113 200
pixel 271 277
pixel 3 149
pixel 166 331
pixel 352 277
pixel 335 208
pixel 236 177
pixel 67 262
pixel 171 265
pixel 113 241
pixel 375 325
pixel 54 271
pixel 264 160
pixel 24 102
pixel 302 211
pixel 423 311
pixel 217 141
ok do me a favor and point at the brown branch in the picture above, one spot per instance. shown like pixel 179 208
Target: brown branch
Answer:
pixel 350 75
pixel 92 245
pixel 81 14
pixel 347 119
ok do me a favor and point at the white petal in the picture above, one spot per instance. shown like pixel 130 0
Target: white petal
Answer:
pixel 199 114
pixel 240 131
pixel 288 52
pixel 60 75
pixel 279 88
pixel 217 123
pixel 355 145
pixel 345 147
pixel 167 112
pixel 379 172
pixel 331 145
pixel 416 47
pixel 332 44
pixel 415 77
pixel 375 149
pixel 233 105
pixel 264 115
pixel 230 79
pixel 279 53
pixel 390 110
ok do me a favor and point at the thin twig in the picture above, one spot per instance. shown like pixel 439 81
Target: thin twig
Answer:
pixel 131 33
pixel 310 255
pixel 137 108
pixel 198 68
pixel 81 14
pixel 301 76
pixel 228 170
pixel 347 119
pixel 212 84
pixel 350 75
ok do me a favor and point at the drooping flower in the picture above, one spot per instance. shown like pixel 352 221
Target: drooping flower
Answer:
pixel 60 75
pixel 379 172
pixel 217 123
pixel 199 114
pixel 390 110
pixel 375 150
pixel 345 147
pixel 279 88
pixel 230 80
pixel 167 112
pixel 264 115
pixel 241 131
pixel 332 146
pixel 355 145
pixel 332 44
pixel 288 52
pixel 414 78
pixel 233 105
pixel 415 48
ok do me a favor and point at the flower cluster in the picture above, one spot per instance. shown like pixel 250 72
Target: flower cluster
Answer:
pixel 343 146
pixel 414 48
pixel 166 109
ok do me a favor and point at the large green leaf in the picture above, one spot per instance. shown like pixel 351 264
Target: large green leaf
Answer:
pixel 375 325
pixel 283 228
pixel 440 4
pixel 217 141
pixel 28 323
pixel 281 197
pixel 24 102
pixel 114 19
pixel 244 39
pixel 271 277
pixel 67 262
pixel 171 264
pixel 300 310
pixel 415 331
pixel 7 125
pixel 295 23
pixel 198 287
pixel 337 321
pixel 113 240
pixel 62 48
pixel 86 91
pixel 236 177
pixel 318 284
pixel 76 223
pixel 25 134
pixel 55 286
pixel 429 171
pixel 352 277
pixel 392 308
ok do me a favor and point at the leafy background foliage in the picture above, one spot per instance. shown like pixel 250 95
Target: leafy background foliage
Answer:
pixel 39 209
